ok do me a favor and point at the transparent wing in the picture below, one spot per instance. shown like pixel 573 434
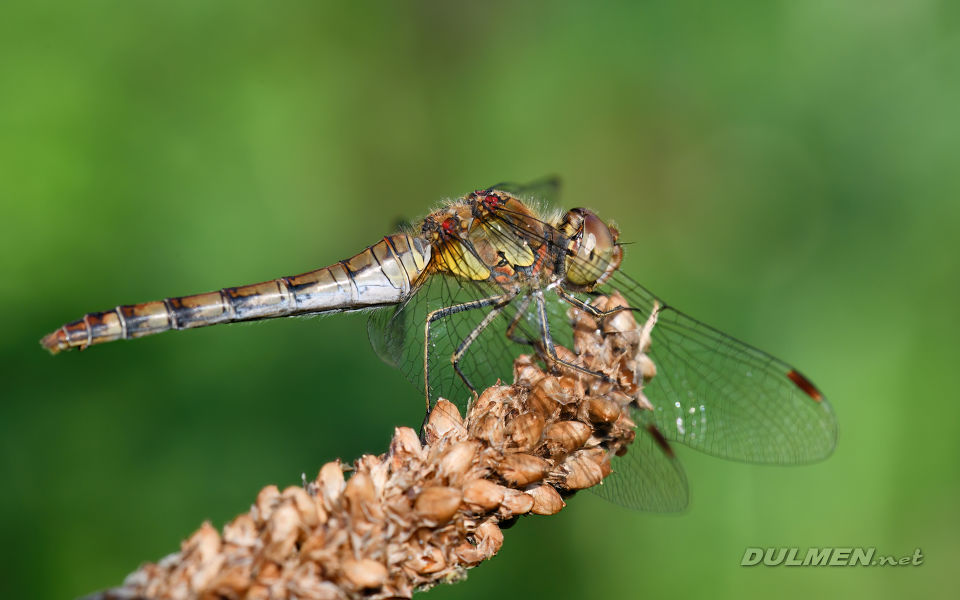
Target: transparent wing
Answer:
pixel 721 396
pixel 648 477
pixel 397 334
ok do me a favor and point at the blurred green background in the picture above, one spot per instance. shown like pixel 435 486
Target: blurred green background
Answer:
pixel 787 171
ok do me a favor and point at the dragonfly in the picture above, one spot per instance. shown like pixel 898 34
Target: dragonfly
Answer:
pixel 456 295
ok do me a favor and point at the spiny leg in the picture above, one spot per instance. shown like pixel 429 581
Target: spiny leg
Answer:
pixel 592 310
pixel 468 341
pixel 515 321
pixel 601 314
pixel 441 313
pixel 547 341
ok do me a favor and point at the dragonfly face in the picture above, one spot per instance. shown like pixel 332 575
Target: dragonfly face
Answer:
pixel 593 250
pixel 490 276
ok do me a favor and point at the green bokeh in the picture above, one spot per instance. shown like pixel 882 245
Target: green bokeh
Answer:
pixel 786 171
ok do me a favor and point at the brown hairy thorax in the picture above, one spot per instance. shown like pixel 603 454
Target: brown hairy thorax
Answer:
pixel 425 512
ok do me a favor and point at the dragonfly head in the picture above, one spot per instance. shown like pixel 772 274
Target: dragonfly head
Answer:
pixel 593 253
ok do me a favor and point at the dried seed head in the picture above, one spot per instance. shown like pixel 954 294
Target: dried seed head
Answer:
pixel 269 573
pixel 543 397
pixel 438 504
pixel 602 410
pixel 364 574
pixel 566 436
pixel 205 542
pixel 359 493
pixel 242 531
pixel 231 582
pixel 283 531
pixel 647 369
pixel 405 446
pixel 519 470
pixel 515 503
pixel 626 375
pixel 426 561
pixel 584 325
pixel 331 484
pixel 579 471
pixel 492 398
pixel 525 372
pixel 421 515
pixel 304 504
pixel 603 461
pixel 482 495
pixel 490 429
pixel 489 537
pixel 457 459
pixel 525 430
pixel 546 500
pixel 204 547
pixel 261 592
pixel 619 322
pixel 266 500
pixel 444 420
pixel 305 583
pixel 572 389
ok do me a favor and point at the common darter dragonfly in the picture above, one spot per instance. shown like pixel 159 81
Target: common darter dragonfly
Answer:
pixel 457 295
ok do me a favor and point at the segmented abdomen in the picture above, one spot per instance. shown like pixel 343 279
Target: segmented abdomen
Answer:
pixel 381 274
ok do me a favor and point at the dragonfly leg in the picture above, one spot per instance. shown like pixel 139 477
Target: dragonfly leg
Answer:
pixel 444 312
pixel 586 307
pixel 465 344
pixel 547 341
pixel 515 321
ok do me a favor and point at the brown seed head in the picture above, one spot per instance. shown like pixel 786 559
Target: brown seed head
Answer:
pixel 331 484
pixel 579 471
pixel 602 410
pixel 438 504
pixel 365 574
pixel 305 505
pixel 566 436
pixel 482 494
pixel 444 420
pixel 515 503
pixel 546 500
pixel 283 531
pixel 420 515
pixel 519 469
pixel 457 459
pixel 525 430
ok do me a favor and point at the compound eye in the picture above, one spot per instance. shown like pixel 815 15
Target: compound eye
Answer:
pixel 593 248
pixel 597 239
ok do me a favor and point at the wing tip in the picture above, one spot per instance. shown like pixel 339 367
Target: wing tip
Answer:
pixel 805 385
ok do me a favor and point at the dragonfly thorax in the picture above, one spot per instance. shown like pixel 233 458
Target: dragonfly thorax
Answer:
pixel 593 253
